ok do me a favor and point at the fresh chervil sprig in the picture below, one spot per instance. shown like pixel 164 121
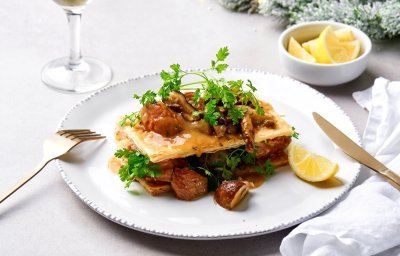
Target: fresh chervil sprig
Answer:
pixel 132 119
pixel 137 166
pixel 172 81
pixel 147 98
pixel 295 134
pixel 214 92
pixel 268 169
pixel 233 160
pixel 211 113
pixel 221 55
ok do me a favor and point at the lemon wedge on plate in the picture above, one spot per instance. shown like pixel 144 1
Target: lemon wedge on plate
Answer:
pixel 329 49
pixel 297 51
pixel 308 166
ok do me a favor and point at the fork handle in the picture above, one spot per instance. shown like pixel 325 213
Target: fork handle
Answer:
pixel 22 182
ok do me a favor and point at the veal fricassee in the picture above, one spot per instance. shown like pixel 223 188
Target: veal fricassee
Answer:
pixel 196 137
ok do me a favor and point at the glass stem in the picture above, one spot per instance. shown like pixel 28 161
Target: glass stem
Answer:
pixel 74 22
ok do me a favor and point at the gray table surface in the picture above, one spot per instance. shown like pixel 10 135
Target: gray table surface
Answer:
pixel 134 38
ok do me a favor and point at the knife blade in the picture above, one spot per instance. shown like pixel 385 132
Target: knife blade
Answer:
pixel 355 151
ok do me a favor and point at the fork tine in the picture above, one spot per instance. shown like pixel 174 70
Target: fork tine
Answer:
pixel 62 132
pixel 98 137
pixel 67 135
pixel 79 136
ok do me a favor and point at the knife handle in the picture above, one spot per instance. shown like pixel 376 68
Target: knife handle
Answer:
pixel 392 183
pixel 392 177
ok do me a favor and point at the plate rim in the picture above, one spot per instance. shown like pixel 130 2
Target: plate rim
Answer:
pixel 275 228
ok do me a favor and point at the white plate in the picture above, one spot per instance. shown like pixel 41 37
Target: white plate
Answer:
pixel 283 201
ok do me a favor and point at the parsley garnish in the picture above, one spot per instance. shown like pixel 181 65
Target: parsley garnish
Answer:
pixel 234 158
pixel 147 98
pixel 268 169
pixel 138 166
pixel 214 91
pixel 133 119
pixel 211 113
pixel 295 134
pixel 224 166
pixel 236 113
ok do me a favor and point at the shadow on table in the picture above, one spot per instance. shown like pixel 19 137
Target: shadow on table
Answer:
pixel 363 82
pixel 258 245
pixel 23 200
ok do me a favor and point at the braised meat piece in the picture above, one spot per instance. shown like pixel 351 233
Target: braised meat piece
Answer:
pixel 188 184
pixel 161 119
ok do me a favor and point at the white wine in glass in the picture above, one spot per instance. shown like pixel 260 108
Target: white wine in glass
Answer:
pixel 75 74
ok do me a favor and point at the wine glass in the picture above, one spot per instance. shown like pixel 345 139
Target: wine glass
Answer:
pixel 75 74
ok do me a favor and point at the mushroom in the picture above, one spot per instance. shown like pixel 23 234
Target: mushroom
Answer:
pixel 247 132
pixel 219 130
pixel 266 120
pixel 176 100
pixel 202 126
pixel 230 193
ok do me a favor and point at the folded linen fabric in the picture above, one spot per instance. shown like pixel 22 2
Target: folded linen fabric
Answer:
pixel 367 221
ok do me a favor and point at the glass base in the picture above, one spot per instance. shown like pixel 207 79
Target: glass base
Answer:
pixel 89 75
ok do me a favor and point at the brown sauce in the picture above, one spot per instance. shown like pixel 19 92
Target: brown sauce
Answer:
pixel 256 178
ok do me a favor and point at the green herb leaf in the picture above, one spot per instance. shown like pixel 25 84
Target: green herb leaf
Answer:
pixel 138 166
pixel 172 81
pixel 222 54
pixel 147 98
pixel 236 86
pixel 295 134
pixel 211 114
pixel 250 85
pixel 221 68
pixel 268 169
pixel 196 97
pixel 249 158
pixel 176 68
pixel 214 92
pixel 236 114
pixel 133 119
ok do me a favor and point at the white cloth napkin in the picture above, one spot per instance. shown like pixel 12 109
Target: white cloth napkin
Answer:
pixel 367 221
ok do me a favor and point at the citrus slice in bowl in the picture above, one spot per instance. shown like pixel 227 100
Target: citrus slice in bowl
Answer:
pixel 352 48
pixel 309 166
pixel 329 49
pixel 309 46
pixel 297 51
pixel 344 34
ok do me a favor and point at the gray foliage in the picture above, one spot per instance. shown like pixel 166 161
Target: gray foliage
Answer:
pixel 379 19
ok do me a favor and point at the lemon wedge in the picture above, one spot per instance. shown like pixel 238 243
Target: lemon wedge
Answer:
pixel 344 34
pixel 308 166
pixel 329 49
pixel 297 51
pixel 352 48
pixel 309 46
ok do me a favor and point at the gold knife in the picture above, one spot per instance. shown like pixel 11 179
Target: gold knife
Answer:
pixel 355 151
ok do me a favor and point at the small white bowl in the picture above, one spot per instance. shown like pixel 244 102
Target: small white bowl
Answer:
pixel 322 74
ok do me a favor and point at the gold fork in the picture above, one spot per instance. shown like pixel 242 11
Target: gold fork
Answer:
pixel 53 147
